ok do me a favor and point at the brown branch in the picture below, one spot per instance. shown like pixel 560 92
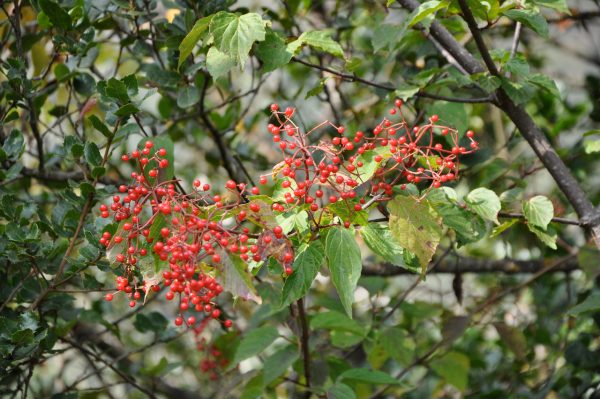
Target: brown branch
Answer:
pixel 516 215
pixel 61 176
pixel 462 264
pixel 581 16
pixel 304 344
pixel 485 54
pixel 226 159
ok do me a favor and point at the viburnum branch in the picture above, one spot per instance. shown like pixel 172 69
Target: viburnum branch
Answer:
pixel 191 238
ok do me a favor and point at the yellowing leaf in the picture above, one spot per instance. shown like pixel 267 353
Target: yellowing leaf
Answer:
pixel 416 227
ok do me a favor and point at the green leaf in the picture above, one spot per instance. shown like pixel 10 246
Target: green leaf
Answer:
pixel 319 39
pixel 161 368
pixel 513 338
pixel 100 126
pixel 467 228
pixel 117 89
pixel 57 15
pixel 14 146
pixel 379 239
pixel 345 211
pixel 188 96
pixel 390 343
pixel 336 321
pixel 518 92
pixel 273 51
pixel 344 262
pixel 544 83
pixel 92 154
pixel 253 343
pixel 309 259
pixel 538 211
pixel 488 82
pixel 558 5
pixel 451 114
pixel 190 40
pixel 369 164
pixel 218 63
pixel 236 280
pixel 485 203
pixel 591 146
pixel 340 391
pixel 547 236
pixel 387 36
pixel 592 133
pixel 234 34
pixel 416 227
pixel 454 368
pixel 277 364
pixel 590 304
pixel 529 18
pixel 496 231
pixel 151 322
pixel 424 10
pixel 126 110
pixel 367 376
pixel 405 91
pixel 517 66
pixel 318 89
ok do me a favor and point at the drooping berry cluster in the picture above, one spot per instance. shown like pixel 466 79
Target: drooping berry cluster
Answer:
pixel 186 231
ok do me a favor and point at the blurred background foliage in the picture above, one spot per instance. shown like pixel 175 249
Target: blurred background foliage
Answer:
pixel 514 314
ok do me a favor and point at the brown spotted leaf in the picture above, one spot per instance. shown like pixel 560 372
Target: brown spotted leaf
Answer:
pixel 416 226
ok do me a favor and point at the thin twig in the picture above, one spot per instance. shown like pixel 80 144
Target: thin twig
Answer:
pixel 353 78
pixel 304 343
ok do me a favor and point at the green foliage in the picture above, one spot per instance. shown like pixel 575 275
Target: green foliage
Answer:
pixel 344 263
pixel 82 83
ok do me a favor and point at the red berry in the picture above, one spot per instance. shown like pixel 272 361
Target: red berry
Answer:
pixel 108 297
pixel 227 323
pixel 230 184
pixel 274 107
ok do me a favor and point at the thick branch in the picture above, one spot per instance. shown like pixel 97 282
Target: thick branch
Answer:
pixel 461 264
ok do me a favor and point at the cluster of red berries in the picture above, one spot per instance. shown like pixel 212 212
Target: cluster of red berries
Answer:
pixel 195 234
pixel 393 154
